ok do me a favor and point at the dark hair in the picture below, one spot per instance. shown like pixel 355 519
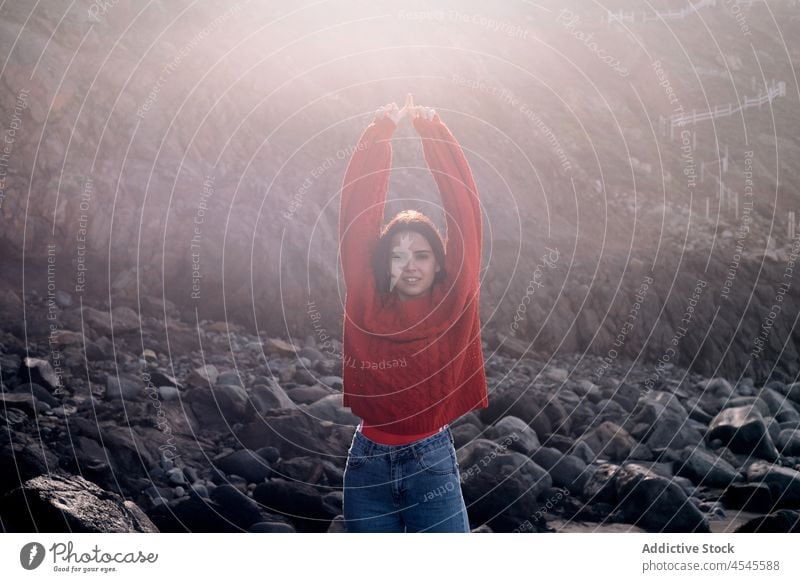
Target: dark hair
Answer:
pixel 405 220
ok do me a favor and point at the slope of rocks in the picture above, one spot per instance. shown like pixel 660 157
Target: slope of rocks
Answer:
pixel 210 428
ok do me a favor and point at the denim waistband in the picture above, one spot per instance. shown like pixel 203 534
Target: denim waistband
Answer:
pixel 368 447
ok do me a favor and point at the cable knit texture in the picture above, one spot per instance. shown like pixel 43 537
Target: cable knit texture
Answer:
pixel 411 366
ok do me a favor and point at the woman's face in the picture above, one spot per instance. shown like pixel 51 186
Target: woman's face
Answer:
pixel 413 265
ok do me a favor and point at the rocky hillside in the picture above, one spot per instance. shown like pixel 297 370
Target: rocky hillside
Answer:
pixel 258 443
pixel 202 161
pixel 169 192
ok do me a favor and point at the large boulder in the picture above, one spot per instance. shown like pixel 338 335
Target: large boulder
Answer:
pixel 124 387
pixel 203 376
pixel 270 395
pixel 70 503
pixel 704 468
pixel 793 392
pixel 783 482
pixel 23 459
pixel 788 442
pixel 296 434
pixel 219 407
pixel 227 510
pixel 38 371
pixel 40 392
pixel 245 463
pixel 28 403
pixel 782 521
pixel 673 431
pixel 299 502
pixel 655 503
pixel 610 441
pixel 743 430
pixel 600 486
pixel 519 436
pixel 566 471
pixel 753 497
pixel 330 408
pixel 499 485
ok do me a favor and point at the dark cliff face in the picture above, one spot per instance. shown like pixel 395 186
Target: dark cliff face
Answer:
pixel 202 162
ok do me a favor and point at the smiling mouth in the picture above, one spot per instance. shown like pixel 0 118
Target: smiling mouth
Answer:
pixel 411 280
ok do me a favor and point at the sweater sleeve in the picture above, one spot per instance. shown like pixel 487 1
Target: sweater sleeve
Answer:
pixel 453 177
pixel 361 211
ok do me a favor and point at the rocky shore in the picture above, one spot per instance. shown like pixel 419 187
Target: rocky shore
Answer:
pixel 126 421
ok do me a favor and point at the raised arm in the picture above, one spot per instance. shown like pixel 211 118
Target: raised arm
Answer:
pixel 462 209
pixel 361 210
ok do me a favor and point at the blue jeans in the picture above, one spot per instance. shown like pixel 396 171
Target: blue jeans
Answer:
pixel 414 487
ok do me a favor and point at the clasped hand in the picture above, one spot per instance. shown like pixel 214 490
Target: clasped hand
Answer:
pixel 395 114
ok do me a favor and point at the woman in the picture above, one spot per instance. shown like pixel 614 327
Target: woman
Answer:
pixel 412 348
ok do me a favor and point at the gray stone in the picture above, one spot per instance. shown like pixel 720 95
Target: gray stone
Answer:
pixel 565 470
pixel 774 400
pixel 330 408
pixel 168 393
pixel 304 394
pixel 69 503
pixel 40 392
pixel 672 431
pixel 123 387
pixel 704 468
pixel 609 440
pixel 789 442
pixel 718 387
pixel 295 433
pixel 310 510
pixel 788 414
pixel 246 463
pixel 334 382
pixel 793 392
pixel 124 319
pixel 204 376
pixel 271 396
pixel 229 379
pixel 626 395
pixel 670 400
pixel 755 497
pixel 176 476
pixel 600 486
pixel 232 399
pixel 522 438
pixel 63 299
pixel 587 388
pixel 505 489
pixel 781 521
pixel 38 371
pixel 656 504
pixel 784 483
pixel 758 403
pixel 583 452
pixel 743 430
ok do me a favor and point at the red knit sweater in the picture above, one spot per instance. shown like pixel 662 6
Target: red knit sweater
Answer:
pixel 411 366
